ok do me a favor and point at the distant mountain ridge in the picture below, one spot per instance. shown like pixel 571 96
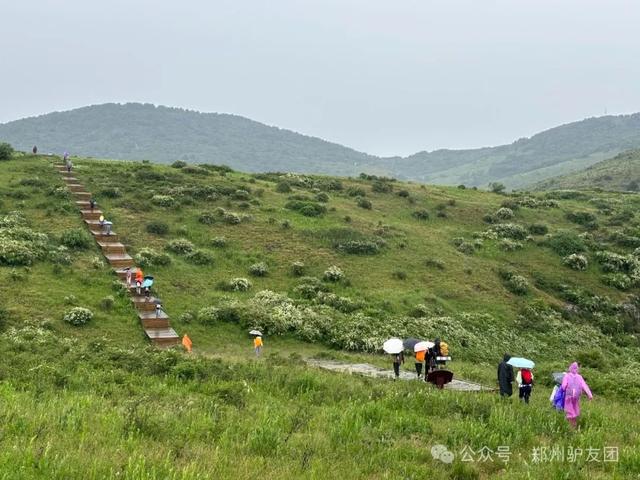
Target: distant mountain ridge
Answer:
pixel 621 173
pixel 162 134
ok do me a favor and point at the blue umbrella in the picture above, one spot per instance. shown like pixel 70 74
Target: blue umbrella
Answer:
pixel 521 362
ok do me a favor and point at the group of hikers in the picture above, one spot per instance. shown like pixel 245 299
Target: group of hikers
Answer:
pixel 565 396
pixel 429 356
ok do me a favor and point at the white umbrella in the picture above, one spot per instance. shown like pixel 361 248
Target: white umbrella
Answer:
pixel 393 345
pixel 421 346
pixel 255 332
pixel 521 362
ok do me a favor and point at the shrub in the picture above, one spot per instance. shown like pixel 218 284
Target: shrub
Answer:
pixel 219 242
pixel 420 214
pixel 6 151
pixel 76 238
pixel 621 281
pixel 186 317
pixel 497 187
pixel 163 200
pixel 403 193
pixel 508 245
pixel 195 170
pixel 462 187
pixel 259 269
pixel 60 256
pixel 110 192
pixel 97 263
pixel 200 257
pixel 356 192
pixel 381 187
pixel 576 261
pixel 181 246
pixel 359 247
pixel 15 253
pixel 179 164
pixel 565 243
pixel 207 218
pixel 308 209
pixel 581 218
pixel 399 275
pixel 107 303
pixel 322 197
pixel 309 287
pixel 516 284
pixel 298 269
pixel 78 316
pixel 239 284
pixel 231 218
pixel 364 203
pixel 148 257
pixel 241 195
pixel 538 229
pixel 283 187
pixel 157 228
pixel 435 263
pixel 465 247
pixel 333 274
pixel 208 315
pixel 509 230
pixel 70 300
pixel 504 213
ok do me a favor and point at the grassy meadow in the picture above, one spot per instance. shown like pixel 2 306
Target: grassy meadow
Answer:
pixel 549 276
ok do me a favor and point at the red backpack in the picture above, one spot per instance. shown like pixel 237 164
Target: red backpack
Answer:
pixel 527 378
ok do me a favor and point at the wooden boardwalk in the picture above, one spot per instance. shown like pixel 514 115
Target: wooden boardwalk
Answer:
pixel 154 321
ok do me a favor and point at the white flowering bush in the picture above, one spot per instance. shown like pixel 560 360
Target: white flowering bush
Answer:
pixel 231 218
pixel 163 200
pixel 19 245
pixel 200 257
pixel 208 315
pixel 576 261
pixel 333 274
pixel 239 284
pixel 148 257
pixel 298 269
pixel 509 230
pixel 259 269
pixel 504 213
pixel 181 246
pixel 78 316
pixel 508 245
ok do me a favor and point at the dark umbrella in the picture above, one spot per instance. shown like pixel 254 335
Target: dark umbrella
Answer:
pixel 440 377
pixel 409 343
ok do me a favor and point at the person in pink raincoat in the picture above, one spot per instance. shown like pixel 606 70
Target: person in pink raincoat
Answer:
pixel 573 385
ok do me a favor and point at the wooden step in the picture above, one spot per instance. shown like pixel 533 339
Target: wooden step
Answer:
pixel 155 323
pixel 162 336
pixel 82 195
pixel 112 247
pixel 83 204
pixel 91 214
pixel 118 260
pixel 70 179
pixel 76 187
pixel 147 315
pixel 145 304
pixel 103 237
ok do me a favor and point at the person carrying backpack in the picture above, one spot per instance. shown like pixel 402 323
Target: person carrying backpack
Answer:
pixel 573 385
pixel 524 379
pixel 420 356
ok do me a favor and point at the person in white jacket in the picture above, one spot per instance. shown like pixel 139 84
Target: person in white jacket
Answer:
pixel 524 379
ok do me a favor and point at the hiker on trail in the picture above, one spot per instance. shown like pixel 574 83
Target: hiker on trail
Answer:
pixel 139 280
pixel 69 166
pixel 35 150
pixel 129 274
pixel 158 309
pixel 573 385
pixel 92 204
pixel 420 356
pixel 524 379
pixel 66 157
pixel 441 352
pixel 257 345
pixel 505 377
pixel 398 358
pixel 430 363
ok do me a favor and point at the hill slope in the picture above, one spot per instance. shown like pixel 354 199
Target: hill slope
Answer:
pixel 161 134
pixel 92 402
pixel 621 173
pixel 145 132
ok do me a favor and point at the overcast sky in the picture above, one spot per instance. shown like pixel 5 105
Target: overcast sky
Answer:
pixel 382 76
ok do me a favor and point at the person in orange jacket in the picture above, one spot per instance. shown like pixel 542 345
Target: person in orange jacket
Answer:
pixel 257 345
pixel 139 280
pixel 419 361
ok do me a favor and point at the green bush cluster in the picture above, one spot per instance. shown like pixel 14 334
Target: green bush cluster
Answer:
pixel 148 257
pixel 306 208
pixel 157 227
pixel 259 269
pixel 181 246
pixel 76 238
pixel 78 316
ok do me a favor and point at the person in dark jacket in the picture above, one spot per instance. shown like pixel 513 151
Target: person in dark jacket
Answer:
pixel 398 359
pixel 505 377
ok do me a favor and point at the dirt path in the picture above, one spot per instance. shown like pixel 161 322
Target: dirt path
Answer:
pixel 373 371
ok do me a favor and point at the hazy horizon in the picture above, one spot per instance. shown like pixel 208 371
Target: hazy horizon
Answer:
pixel 386 79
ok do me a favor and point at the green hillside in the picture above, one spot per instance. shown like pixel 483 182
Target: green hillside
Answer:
pixel 163 135
pixel 335 266
pixel 621 173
